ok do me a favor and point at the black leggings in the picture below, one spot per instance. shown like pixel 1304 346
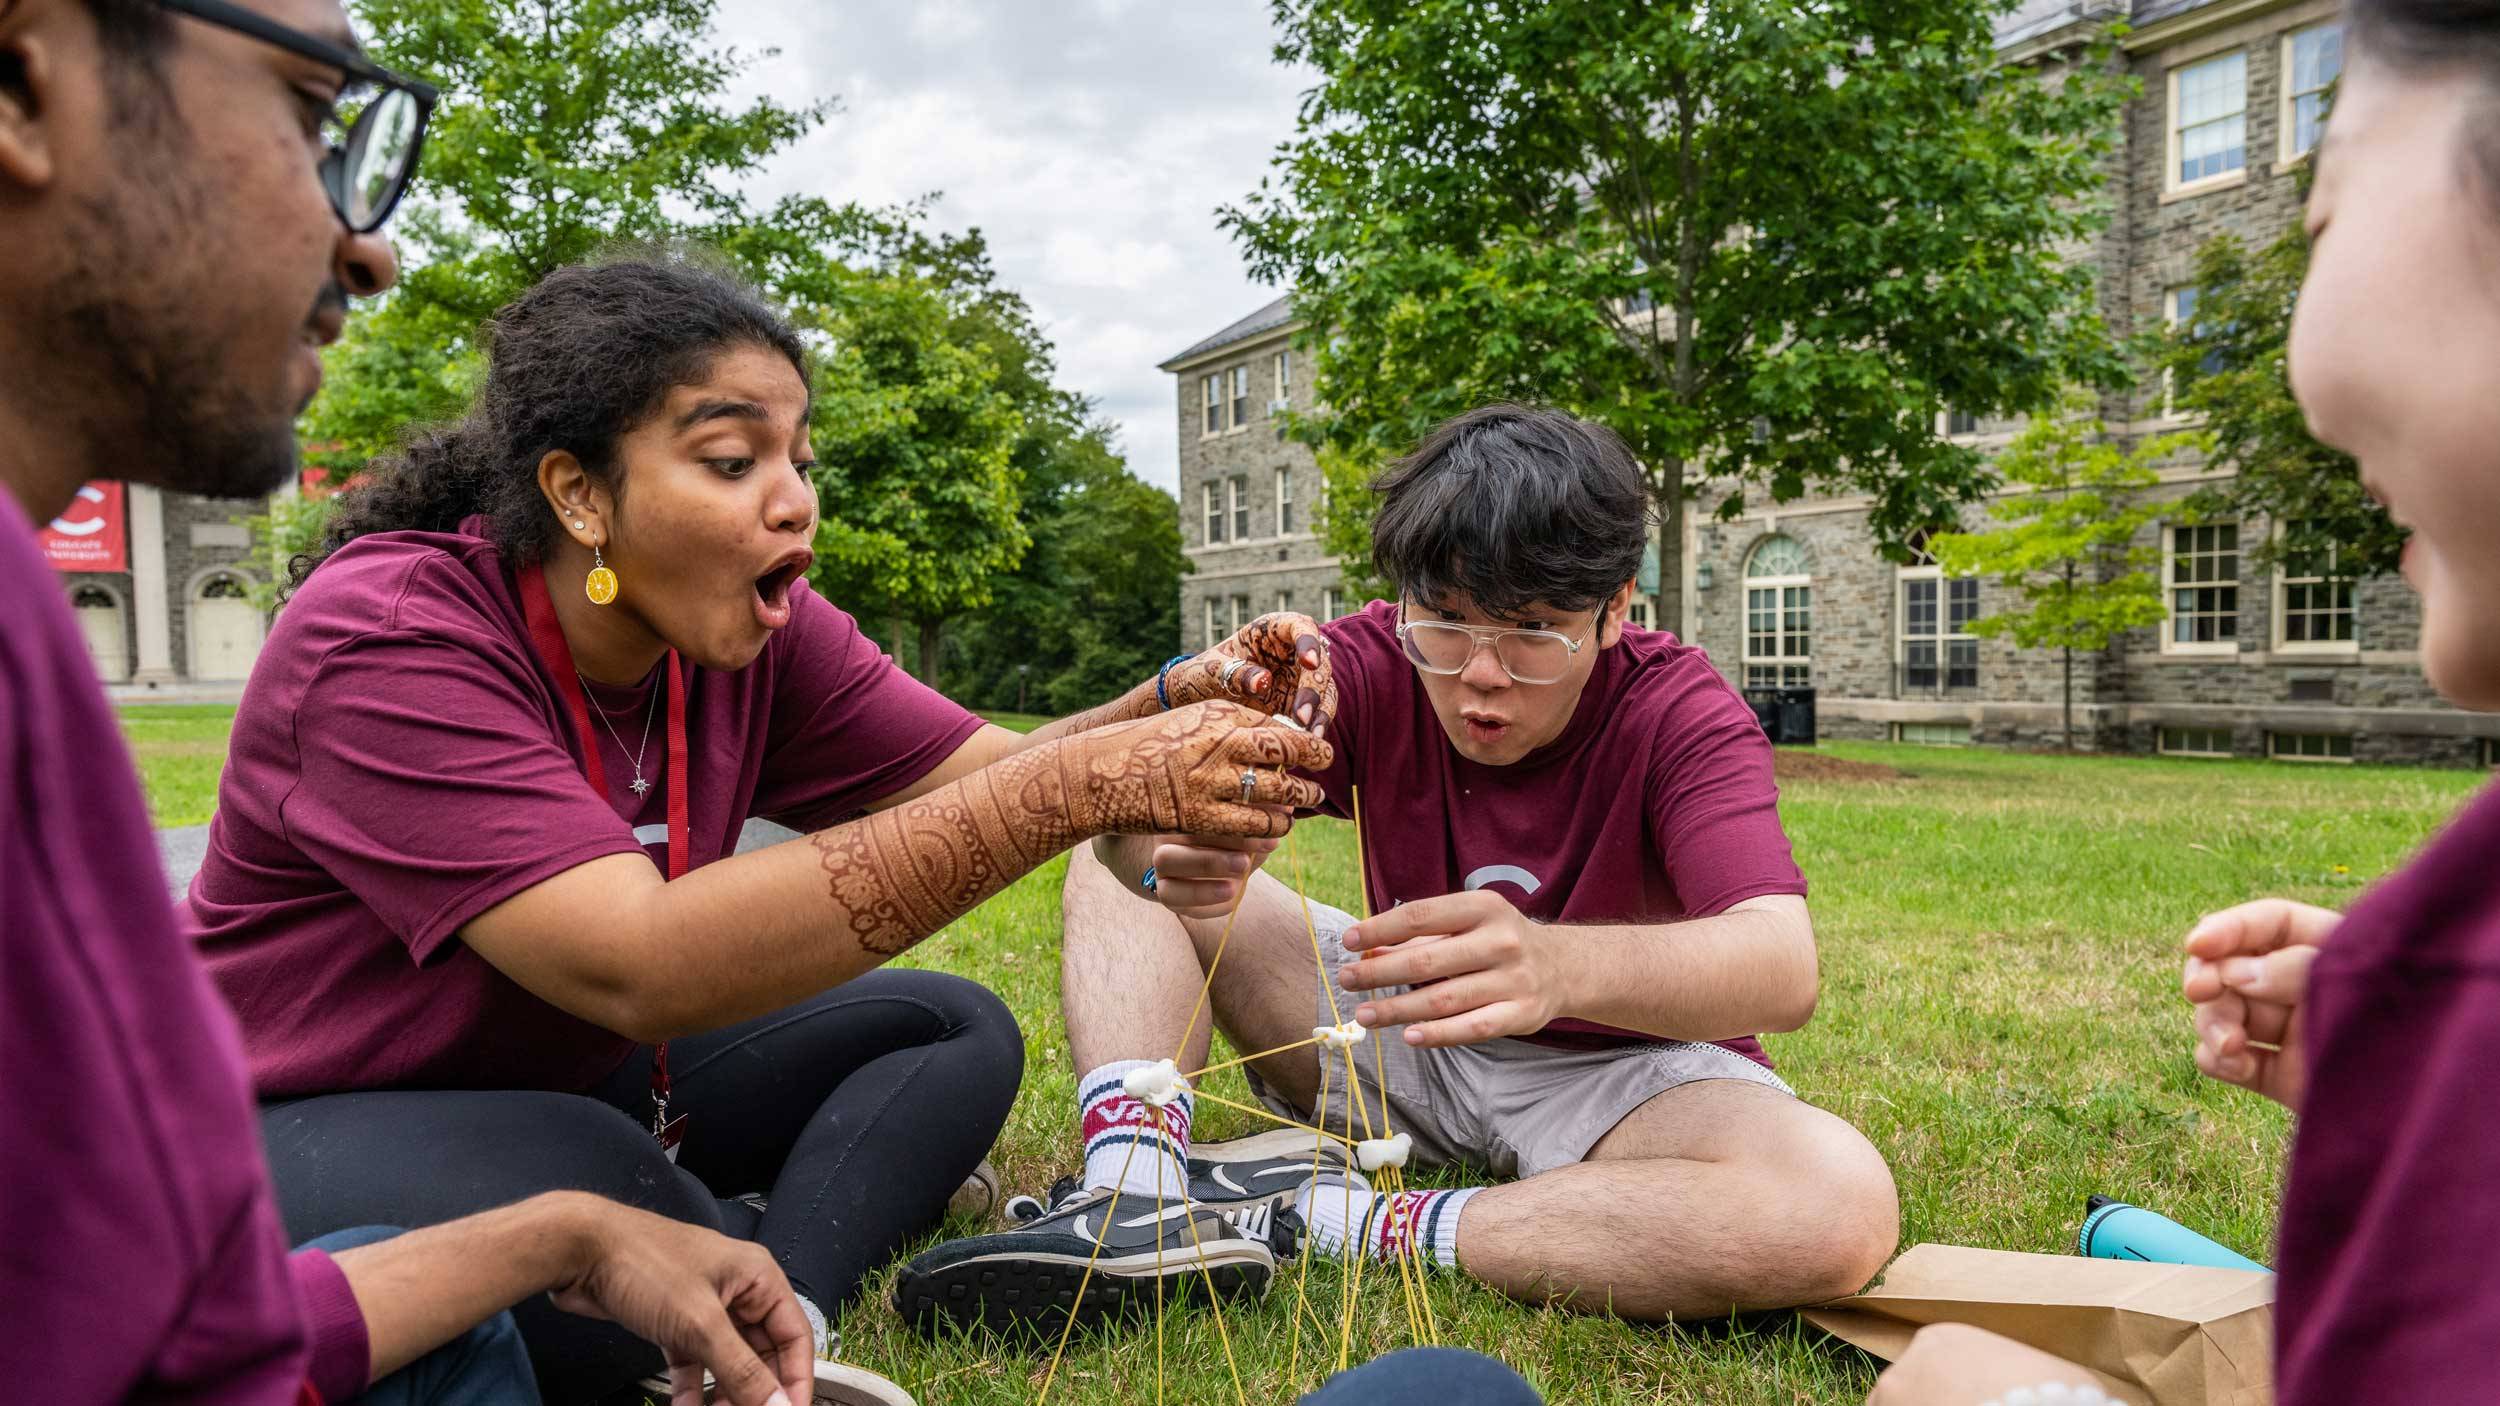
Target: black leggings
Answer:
pixel 857 1113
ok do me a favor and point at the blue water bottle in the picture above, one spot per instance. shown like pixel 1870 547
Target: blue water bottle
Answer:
pixel 2114 1230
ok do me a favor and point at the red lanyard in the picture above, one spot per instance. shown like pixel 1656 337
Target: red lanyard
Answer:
pixel 540 611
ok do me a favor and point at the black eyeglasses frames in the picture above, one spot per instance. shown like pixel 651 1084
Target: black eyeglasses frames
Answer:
pixel 368 166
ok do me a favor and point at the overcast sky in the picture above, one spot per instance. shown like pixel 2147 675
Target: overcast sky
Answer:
pixel 1090 140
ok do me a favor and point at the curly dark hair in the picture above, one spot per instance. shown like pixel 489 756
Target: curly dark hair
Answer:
pixel 575 363
pixel 1507 506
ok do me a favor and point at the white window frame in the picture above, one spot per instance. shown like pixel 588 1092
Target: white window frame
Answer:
pixel 2170 643
pixel 2161 742
pixel 1284 501
pixel 1215 621
pixel 1240 486
pixel 1242 615
pixel 2288 151
pixel 2171 319
pixel 2274 748
pixel 1216 519
pixel 2171 183
pixel 1211 423
pixel 1932 734
pixel 1331 602
pixel 1779 660
pixel 1283 366
pixel 2281 593
pixel 1944 636
pixel 1241 396
pixel 1284 600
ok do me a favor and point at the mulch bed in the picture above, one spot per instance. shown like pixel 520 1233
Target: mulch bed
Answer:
pixel 1800 764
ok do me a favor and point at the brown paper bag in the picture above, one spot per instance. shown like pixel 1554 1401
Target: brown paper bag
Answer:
pixel 2167 1334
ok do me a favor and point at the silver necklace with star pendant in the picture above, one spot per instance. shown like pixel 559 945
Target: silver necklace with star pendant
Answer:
pixel 648 713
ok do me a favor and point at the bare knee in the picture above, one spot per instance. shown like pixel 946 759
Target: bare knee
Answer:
pixel 1847 1217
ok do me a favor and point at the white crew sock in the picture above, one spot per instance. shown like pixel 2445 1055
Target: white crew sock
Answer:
pixel 1123 1131
pixel 1383 1223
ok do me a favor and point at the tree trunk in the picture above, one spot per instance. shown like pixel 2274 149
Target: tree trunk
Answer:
pixel 1670 601
pixel 2070 697
pixel 932 648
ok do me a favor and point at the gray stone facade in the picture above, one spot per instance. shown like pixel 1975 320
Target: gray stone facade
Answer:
pixel 2255 694
pixel 1253 545
pixel 184 554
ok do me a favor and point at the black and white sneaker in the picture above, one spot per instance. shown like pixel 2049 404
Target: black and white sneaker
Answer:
pixel 1026 1279
pixel 1266 1170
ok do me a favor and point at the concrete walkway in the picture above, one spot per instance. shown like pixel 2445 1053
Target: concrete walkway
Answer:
pixel 183 847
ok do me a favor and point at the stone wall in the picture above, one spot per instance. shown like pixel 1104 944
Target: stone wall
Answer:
pixel 1266 568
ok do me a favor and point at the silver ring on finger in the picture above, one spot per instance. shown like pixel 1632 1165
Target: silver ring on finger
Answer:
pixel 1249 779
pixel 1231 667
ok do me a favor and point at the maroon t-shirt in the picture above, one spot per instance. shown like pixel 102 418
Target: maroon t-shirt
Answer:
pixel 2392 1213
pixel 1654 804
pixel 140 1250
pixel 403 761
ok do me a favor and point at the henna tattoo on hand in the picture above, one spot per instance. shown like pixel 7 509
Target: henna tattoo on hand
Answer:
pixel 1278 681
pixel 901 874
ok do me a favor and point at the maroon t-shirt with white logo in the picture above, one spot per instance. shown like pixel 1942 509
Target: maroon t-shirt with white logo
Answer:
pixel 2392 1212
pixel 403 762
pixel 1655 803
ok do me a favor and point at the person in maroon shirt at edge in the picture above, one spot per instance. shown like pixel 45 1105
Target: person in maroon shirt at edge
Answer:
pixel 2380 1027
pixel 178 249
pixel 1572 840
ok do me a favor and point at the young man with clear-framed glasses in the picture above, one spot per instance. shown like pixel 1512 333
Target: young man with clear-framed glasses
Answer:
pixel 1585 910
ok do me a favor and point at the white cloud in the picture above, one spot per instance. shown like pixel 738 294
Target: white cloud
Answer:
pixel 1091 144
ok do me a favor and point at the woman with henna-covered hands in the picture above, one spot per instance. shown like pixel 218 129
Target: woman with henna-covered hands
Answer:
pixel 472 888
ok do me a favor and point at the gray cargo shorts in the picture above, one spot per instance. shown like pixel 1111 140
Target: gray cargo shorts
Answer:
pixel 1515 1108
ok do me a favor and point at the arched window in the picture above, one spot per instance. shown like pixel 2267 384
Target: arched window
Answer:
pixel 1779 615
pixel 1935 650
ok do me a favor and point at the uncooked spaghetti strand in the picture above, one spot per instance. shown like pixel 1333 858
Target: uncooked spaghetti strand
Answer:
pixel 1083 1280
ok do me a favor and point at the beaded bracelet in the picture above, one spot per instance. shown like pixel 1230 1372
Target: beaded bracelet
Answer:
pixel 2054 1394
pixel 1166 672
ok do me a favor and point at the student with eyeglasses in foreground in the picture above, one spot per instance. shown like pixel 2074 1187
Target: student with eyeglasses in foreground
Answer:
pixel 184 223
pixel 1584 909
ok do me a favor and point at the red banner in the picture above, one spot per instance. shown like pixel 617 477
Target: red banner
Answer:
pixel 91 534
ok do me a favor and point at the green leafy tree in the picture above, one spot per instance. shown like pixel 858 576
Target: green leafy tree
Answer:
pixel 562 127
pixel 2068 551
pixel 915 446
pixel 1095 605
pixel 2227 366
pixel 1764 242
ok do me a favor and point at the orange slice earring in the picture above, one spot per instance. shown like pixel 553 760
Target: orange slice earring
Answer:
pixel 600 584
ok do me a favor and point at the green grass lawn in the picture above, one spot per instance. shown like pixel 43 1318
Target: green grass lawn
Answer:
pixel 180 747
pixel 1999 936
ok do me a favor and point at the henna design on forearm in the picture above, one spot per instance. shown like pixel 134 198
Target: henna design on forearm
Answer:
pixel 902 874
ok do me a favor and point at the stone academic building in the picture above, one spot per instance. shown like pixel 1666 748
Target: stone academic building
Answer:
pixel 159 584
pixel 2293 662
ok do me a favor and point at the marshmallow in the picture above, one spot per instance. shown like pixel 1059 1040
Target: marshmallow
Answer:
pixel 1372 1154
pixel 1158 1083
pixel 1339 1037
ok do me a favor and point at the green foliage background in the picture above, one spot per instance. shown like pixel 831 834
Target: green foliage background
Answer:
pixel 955 476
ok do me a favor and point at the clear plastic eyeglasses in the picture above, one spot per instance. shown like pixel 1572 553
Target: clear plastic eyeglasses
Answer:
pixel 1528 656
